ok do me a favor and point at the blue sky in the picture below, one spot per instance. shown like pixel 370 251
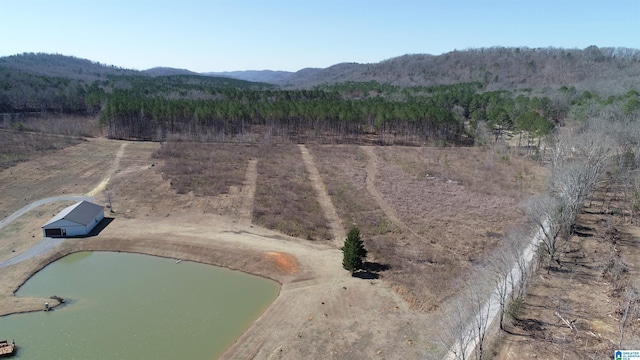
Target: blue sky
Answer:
pixel 226 35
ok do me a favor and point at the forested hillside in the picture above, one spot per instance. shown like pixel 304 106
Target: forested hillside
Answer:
pixel 605 70
pixel 61 66
pixel 350 112
pixel 167 71
pixel 267 76
pixel 463 97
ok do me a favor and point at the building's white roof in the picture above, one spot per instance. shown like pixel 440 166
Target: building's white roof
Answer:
pixel 82 213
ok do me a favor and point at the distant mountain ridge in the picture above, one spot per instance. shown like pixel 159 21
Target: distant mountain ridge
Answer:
pixel 56 65
pixel 265 76
pixel 498 68
pixel 596 69
pixel 168 71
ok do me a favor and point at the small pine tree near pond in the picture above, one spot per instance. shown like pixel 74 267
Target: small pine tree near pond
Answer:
pixel 353 251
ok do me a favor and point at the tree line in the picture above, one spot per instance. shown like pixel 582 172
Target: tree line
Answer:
pixel 336 113
pixel 22 92
pixel 220 109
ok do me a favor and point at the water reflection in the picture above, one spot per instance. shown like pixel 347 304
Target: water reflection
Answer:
pixel 128 306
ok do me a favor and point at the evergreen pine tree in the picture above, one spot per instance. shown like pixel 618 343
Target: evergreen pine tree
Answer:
pixel 353 251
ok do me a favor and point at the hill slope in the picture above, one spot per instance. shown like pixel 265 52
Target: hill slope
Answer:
pixel 607 69
pixel 603 70
pixel 56 65
pixel 265 76
pixel 167 71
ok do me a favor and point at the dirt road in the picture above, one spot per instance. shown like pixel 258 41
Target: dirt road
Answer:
pixel 491 310
pixel 330 213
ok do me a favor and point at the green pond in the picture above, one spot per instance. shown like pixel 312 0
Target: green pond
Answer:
pixel 129 306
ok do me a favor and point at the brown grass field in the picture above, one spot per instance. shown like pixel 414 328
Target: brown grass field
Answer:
pixel 428 217
pixel 20 146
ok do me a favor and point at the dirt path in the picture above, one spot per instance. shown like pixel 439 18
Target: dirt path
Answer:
pixel 248 192
pixel 329 211
pixel 372 169
pixel 114 167
pixel 490 312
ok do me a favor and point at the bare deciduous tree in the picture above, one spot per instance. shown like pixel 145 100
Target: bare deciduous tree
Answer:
pixel 630 300
pixel 480 316
pixel 455 333
pixel 551 216
pixel 578 159
pixel 502 267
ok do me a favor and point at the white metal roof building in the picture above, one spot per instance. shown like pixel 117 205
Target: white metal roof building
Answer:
pixel 76 220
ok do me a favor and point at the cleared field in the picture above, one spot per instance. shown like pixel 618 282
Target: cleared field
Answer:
pixel 71 170
pixel 426 214
pixel 427 220
pixel 322 311
pixel 20 146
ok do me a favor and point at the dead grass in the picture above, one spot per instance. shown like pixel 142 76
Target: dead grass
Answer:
pixel 284 198
pixel 457 202
pixel 19 146
pixel 22 183
pixel 69 125
pixel 484 170
pixel 441 195
pixel 203 168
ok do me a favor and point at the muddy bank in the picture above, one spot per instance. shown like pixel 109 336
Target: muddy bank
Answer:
pixel 259 263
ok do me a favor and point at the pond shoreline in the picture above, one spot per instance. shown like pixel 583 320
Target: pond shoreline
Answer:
pixel 163 301
pixel 31 267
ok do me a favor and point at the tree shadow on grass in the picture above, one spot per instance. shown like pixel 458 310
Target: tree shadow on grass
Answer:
pixel 559 269
pixel 529 325
pixel 582 231
pixel 374 267
pixel 370 270
pixel 366 275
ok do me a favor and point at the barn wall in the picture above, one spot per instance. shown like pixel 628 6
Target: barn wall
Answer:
pixel 95 221
pixel 73 230
pixel 77 230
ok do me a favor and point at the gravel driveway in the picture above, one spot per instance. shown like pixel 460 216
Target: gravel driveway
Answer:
pixel 45 244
